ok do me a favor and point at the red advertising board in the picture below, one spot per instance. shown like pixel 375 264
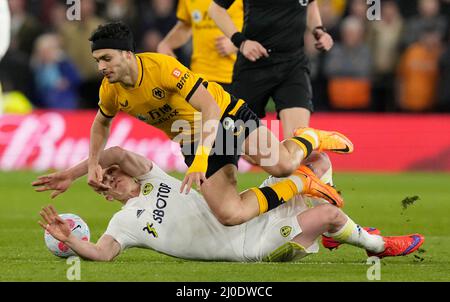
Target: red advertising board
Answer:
pixel 394 142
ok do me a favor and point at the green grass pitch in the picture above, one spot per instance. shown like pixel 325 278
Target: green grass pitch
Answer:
pixel 371 200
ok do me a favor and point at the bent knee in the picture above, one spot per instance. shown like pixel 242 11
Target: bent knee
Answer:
pixel 331 214
pixel 283 169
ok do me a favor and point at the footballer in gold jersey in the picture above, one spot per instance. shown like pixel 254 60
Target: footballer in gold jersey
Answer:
pixel 161 92
pixel 213 54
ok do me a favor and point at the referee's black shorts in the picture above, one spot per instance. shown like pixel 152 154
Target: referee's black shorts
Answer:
pixel 287 82
pixel 235 126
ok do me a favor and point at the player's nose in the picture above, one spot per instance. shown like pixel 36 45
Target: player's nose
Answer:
pixel 101 66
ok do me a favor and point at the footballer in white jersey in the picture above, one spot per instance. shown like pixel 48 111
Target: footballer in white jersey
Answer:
pixel 156 215
pixel 162 219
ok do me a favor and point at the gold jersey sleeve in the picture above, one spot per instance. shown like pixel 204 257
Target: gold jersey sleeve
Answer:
pixel 205 59
pixel 183 12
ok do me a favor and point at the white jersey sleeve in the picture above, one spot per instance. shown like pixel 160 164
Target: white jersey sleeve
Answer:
pixel 120 228
pixel 155 172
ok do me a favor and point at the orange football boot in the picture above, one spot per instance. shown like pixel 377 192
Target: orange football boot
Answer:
pixel 400 245
pixel 329 140
pixel 313 186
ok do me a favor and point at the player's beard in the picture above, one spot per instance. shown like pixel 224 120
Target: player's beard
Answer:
pixel 112 77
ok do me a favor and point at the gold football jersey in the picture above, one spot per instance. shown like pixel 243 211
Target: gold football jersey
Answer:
pixel 205 59
pixel 161 96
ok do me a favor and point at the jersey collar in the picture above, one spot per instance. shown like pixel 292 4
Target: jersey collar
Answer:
pixel 140 72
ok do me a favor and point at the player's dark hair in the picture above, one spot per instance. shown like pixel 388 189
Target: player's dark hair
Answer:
pixel 115 35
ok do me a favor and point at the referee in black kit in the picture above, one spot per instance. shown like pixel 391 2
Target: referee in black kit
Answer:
pixel 271 60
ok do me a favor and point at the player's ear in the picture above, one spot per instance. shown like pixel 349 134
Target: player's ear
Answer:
pixel 128 54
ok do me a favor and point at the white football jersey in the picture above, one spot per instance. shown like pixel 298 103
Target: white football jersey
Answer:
pixel 163 219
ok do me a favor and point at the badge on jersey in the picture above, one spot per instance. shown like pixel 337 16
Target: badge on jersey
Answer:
pixel 148 187
pixel 158 93
pixel 151 230
pixel 139 213
pixel 176 73
pixel 285 231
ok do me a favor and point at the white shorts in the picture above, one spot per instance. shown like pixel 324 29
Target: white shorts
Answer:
pixel 273 229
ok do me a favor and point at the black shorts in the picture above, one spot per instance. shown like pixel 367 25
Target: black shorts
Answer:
pixel 287 82
pixel 235 126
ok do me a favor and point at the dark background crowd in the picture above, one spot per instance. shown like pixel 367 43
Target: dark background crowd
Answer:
pixel 400 63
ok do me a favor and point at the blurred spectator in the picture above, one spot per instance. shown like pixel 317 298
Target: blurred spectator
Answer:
pixel 152 19
pixel 337 7
pixel 331 15
pixel 151 39
pixel 122 10
pixel 57 16
pixel 25 28
pixel 158 14
pixel 429 15
pixel 444 80
pixel 348 68
pixel 318 80
pixel 75 35
pixel 358 10
pixel 418 72
pixel 384 42
pixel 55 76
pixel 157 19
pixel 16 74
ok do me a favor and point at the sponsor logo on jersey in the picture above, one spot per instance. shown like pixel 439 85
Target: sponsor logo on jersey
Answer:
pixel 148 187
pixel 285 231
pixel 158 93
pixel 197 16
pixel 151 230
pixel 183 80
pixel 139 213
pixel 161 202
pixel 176 73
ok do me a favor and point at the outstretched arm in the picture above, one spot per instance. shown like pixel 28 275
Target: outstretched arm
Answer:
pixel 131 163
pixel 204 102
pixel 106 248
pixel 99 136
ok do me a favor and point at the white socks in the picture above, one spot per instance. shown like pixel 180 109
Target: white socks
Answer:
pixel 353 234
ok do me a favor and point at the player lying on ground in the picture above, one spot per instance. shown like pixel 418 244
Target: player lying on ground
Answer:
pixel 156 215
pixel 213 127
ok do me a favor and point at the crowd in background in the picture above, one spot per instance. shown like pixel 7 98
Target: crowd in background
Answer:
pixel 400 63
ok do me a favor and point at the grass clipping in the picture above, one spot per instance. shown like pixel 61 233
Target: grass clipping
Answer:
pixel 408 201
